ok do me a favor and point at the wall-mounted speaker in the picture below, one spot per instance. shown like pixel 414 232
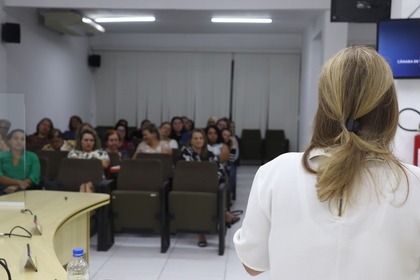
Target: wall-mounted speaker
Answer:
pixel 94 60
pixel 10 32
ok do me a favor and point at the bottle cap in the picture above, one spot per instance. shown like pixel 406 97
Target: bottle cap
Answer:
pixel 78 252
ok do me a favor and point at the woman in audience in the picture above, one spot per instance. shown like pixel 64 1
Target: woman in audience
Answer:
pixel 88 146
pixel 74 123
pixel 165 132
pixel 138 134
pixel 211 121
pixel 18 171
pixel 113 143
pixel 40 137
pixel 231 142
pixel 178 132
pixel 151 142
pixel 84 126
pixel 223 123
pixel 122 130
pixel 57 143
pixel 197 151
pixel 122 121
pixel 215 143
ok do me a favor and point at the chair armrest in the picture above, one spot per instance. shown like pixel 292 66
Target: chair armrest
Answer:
pixel 104 186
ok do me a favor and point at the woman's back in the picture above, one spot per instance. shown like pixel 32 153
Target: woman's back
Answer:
pixel 377 237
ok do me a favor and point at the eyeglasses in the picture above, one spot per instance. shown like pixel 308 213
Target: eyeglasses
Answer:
pixel 121 130
pixel 4 127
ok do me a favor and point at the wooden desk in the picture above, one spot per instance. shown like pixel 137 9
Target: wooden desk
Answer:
pixel 65 225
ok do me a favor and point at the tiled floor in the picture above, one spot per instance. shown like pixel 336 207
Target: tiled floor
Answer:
pixel 134 257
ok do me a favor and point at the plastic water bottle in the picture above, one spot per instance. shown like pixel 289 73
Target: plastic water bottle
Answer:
pixel 78 268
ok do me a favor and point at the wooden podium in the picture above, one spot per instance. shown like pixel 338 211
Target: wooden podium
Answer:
pixel 65 221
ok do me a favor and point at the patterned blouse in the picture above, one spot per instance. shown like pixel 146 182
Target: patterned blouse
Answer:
pixel 188 154
pixel 143 147
pixel 98 154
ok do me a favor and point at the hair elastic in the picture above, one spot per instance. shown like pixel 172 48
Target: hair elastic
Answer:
pixel 353 125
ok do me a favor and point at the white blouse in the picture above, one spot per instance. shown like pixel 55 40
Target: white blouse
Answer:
pixel 288 231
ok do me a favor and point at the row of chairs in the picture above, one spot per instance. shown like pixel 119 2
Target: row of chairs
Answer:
pixel 146 196
pixel 253 147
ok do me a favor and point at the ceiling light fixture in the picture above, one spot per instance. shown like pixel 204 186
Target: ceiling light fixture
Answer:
pixel 125 19
pixel 243 20
pixel 93 24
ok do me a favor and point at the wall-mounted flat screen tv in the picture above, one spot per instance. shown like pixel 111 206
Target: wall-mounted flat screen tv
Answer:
pixel 398 41
pixel 360 10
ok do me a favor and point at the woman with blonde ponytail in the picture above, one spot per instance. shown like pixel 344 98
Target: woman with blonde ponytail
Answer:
pixel 346 208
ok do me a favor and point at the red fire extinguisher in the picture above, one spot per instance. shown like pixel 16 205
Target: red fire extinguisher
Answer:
pixel 416 149
pixel 416 138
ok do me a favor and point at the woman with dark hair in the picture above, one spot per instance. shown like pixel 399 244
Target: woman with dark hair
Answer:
pixel 223 123
pixel 74 123
pixel 215 143
pixel 178 131
pixel 57 143
pixel 122 130
pixel 40 137
pixel 197 151
pixel 346 208
pixel 88 146
pixel 165 132
pixel 19 169
pixel 113 142
pixel 151 142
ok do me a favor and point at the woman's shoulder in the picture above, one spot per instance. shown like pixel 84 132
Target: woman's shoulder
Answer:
pixel 283 162
pixel 30 155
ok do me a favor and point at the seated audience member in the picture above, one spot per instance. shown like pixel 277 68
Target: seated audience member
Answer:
pixel 151 143
pixel 40 137
pixel 231 142
pixel 188 124
pixel 74 123
pixel 165 132
pixel 4 129
pixel 18 171
pixel 178 132
pixel 113 143
pixel 57 143
pixel 215 143
pixel 197 151
pixel 122 121
pixel 84 126
pixel 122 130
pixel 211 121
pixel 223 123
pixel 138 134
pixel 88 146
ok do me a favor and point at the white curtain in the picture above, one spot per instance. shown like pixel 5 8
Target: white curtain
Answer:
pixel 160 85
pixel 266 93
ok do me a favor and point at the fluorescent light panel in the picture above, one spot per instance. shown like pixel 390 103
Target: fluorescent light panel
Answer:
pixel 125 19
pixel 93 24
pixel 243 20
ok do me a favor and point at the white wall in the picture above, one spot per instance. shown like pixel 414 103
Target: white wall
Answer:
pixel 198 42
pixel 320 41
pixel 49 68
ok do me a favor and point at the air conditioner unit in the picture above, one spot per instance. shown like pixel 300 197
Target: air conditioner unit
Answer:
pixel 71 23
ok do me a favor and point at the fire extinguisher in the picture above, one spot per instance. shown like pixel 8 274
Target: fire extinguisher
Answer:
pixel 416 138
pixel 416 149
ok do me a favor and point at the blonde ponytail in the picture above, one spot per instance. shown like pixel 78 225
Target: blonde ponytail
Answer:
pixel 357 84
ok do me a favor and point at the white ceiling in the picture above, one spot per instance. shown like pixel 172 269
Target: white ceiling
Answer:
pixel 198 21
